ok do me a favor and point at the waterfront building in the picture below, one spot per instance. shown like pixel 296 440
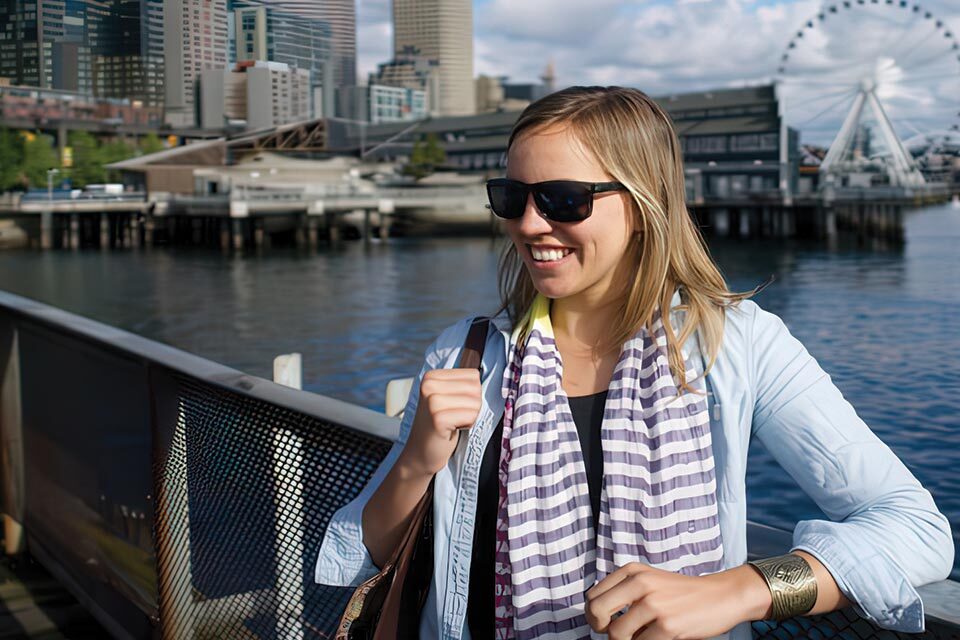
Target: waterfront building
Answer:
pixel 195 39
pixel 440 30
pixel 378 104
pixel 734 141
pixel 261 32
pixel 341 16
pixel 257 94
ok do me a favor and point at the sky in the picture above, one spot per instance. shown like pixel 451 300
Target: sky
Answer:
pixel 672 46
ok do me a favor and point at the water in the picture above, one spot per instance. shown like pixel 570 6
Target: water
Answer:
pixel 885 323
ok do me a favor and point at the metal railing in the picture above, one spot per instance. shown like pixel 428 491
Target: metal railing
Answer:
pixel 178 498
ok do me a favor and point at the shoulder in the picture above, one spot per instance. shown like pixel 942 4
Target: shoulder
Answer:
pixel 445 350
pixel 747 325
pixel 753 338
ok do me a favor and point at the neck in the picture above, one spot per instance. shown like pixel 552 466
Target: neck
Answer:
pixel 584 319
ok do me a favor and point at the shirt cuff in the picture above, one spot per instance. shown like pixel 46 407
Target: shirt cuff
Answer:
pixel 879 589
pixel 343 560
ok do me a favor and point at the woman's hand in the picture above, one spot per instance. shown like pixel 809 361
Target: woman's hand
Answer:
pixel 450 400
pixel 672 606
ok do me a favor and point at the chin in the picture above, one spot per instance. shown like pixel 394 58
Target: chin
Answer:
pixel 553 289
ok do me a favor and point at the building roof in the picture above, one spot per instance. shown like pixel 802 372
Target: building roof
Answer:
pixel 723 126
pixel 717 98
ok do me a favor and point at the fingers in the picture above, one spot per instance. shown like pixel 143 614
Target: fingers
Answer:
pixel 452 374
pixel 614 579
pixel 631 623
pixel 626 586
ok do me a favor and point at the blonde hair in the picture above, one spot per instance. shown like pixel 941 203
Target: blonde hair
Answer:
pixel 634 141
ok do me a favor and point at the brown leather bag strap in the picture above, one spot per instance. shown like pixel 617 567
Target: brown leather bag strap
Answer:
pixel 474 344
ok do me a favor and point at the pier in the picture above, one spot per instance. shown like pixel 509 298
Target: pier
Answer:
pixel 247 218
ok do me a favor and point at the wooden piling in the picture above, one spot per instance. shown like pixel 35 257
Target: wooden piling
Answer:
pixel 104 231
pixel 224 227
pixel 237 225
pixel 74 232
pixel 257 233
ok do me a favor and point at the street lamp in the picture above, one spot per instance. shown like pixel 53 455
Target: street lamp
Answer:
pixel 50 173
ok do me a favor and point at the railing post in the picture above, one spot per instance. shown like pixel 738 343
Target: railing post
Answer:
pixel 11 438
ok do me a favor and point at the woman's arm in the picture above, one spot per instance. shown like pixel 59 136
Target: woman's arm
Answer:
pixel 667 605
pixel 343 559
pixel 449 399
pixel 885 536
pixel 757 602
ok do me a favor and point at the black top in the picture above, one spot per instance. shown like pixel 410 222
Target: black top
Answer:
pixel 588 415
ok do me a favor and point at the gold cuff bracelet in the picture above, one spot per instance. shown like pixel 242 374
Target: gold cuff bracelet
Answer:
pixel 792 584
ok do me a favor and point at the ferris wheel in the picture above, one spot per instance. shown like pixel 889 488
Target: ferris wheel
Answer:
pixel 862 75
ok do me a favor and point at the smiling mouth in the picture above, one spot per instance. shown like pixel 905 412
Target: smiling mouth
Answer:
pixel 549 255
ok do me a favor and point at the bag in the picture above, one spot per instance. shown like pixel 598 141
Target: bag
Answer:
pixel 388 605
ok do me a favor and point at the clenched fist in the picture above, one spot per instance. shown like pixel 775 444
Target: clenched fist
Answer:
pixel 450 400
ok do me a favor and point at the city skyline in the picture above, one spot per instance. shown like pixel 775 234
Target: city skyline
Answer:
pixel 665 47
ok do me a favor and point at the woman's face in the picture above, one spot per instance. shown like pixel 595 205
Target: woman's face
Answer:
pixel 598 243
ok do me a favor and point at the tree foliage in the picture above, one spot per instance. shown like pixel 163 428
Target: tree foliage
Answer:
pixel 87 163
pixel 38 157
pixel 11 159
pixel 150 143
pixel 26 156
pixel 427 154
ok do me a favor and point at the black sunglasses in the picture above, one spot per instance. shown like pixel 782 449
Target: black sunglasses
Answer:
pixel 557 200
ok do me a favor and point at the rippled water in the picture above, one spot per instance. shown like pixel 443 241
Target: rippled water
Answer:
pixel 884 322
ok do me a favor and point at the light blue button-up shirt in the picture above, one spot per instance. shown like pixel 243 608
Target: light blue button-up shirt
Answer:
pixel 884 537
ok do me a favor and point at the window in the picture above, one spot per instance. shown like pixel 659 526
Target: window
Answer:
pixel 705 144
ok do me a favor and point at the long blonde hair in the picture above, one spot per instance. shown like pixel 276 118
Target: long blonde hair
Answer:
pixel 634 141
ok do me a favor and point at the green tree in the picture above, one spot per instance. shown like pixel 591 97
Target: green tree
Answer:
pixel 38 156
pixel 11 158
pixel 87 160
pixel 115 151
pixel 427 154
pixel 150 143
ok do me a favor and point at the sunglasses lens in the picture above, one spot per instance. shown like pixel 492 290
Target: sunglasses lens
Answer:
pixel 568 202
pixel 507 200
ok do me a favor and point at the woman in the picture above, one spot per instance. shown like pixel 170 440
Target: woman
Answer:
pixel 610 498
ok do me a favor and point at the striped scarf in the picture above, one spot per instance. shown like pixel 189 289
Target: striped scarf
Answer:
pixel 658 503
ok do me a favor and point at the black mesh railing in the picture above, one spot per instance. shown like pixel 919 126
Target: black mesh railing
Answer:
pixel 261 483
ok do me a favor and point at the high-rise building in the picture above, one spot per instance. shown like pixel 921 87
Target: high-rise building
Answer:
pixel 377 104
pixel 261 94
pixel 65 61
pixel 20 42
pixel 341 15
pixel 412 71
pixel 440 30
pixel 195 38
pixel 266 33
pixel 126 41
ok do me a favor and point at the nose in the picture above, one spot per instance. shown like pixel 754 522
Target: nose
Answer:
pixel 532 222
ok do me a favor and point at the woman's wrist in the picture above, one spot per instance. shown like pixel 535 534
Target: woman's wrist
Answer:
pixel 407 468
pixel 750 590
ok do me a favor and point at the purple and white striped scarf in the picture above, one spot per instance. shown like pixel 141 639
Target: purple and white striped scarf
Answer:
pixel 658 503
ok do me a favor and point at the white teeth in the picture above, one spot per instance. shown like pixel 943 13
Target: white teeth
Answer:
pixel 549 254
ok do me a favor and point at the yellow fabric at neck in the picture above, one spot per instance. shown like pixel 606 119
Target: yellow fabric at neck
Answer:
pixel 538 317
